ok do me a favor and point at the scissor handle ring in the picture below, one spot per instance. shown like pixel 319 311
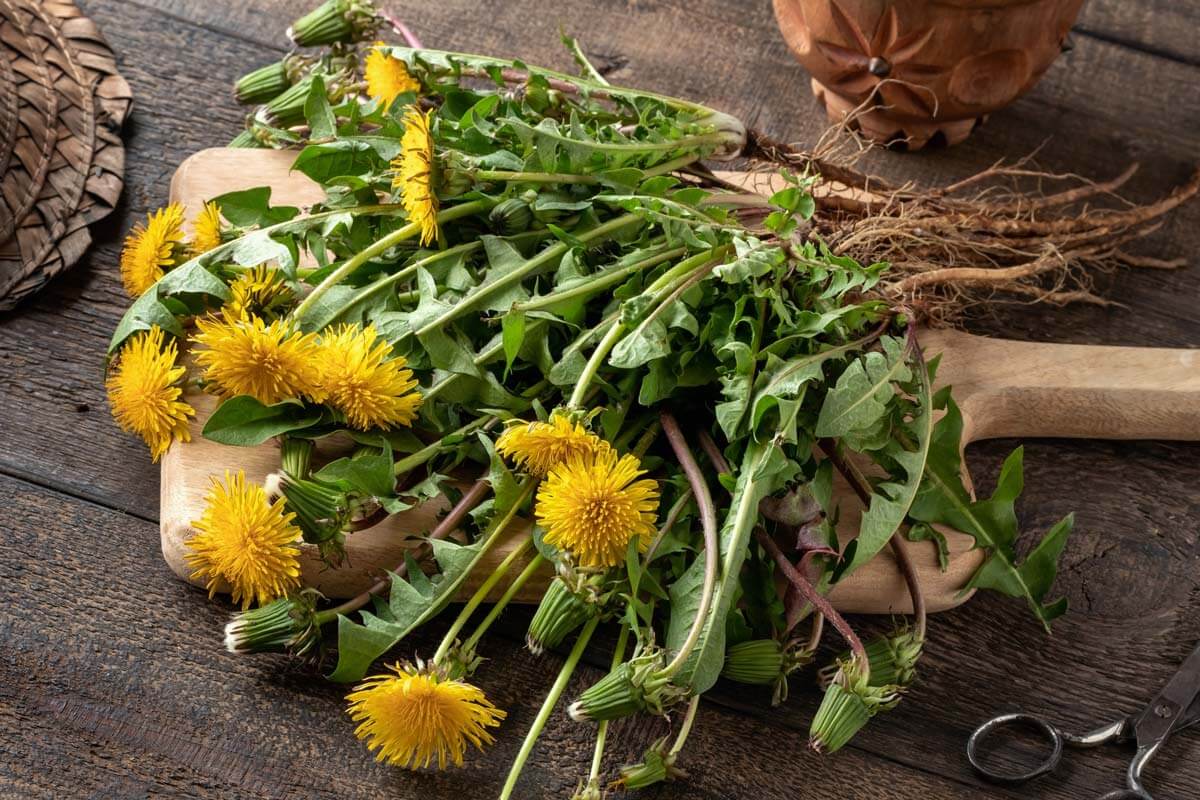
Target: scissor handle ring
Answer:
pixel 1007 721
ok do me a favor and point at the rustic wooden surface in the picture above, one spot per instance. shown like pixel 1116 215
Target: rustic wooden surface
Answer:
pixel 113 683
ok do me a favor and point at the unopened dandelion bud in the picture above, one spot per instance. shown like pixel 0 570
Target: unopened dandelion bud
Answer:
pixel 842 714
pixel 287 108
pixel 849 702
pixel 262 84
pixel 335 21
pixel 285 626
pixel 246 139
pixel 511 217
pixel 295 456
pixel 612 697
pixel 560 612
pixel 893 660
pixel 759 662
pixel 657 765
pixel 322 511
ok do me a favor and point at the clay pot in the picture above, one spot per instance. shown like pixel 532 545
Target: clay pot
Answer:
pixel 916 71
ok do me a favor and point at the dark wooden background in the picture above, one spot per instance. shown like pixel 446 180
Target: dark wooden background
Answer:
pixel 113 681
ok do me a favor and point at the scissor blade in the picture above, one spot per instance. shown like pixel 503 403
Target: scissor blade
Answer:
pixel 1174 707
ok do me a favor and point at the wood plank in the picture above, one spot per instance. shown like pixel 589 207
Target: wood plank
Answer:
pixel 1167 27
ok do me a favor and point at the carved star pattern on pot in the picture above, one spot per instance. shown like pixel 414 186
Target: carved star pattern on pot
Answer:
pixel 881 64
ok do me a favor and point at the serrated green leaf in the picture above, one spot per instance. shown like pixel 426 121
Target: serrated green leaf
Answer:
pixel 858 400
pixel 892 498
pixel 992 522
pixel 410 605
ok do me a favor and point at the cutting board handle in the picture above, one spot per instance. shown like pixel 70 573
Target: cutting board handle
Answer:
pixel 1030 389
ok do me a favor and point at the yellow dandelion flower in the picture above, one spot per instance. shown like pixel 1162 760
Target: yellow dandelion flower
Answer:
pixel 144 394
pixel 414 174
pixel 360 379
pixel 387 77
pixel 206 229
pixel 414 717
pixel 592 506
pixel 247 356
pixel 246 541
pixel 537 447
pixel 256 291
pixel 150 250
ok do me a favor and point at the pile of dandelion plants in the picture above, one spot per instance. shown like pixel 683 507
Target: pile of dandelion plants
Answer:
pixel 524 293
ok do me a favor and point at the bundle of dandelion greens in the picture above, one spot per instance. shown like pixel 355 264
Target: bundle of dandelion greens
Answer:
pixel 528 279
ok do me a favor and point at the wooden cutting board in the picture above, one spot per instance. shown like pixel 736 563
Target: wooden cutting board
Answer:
pixel 1005 389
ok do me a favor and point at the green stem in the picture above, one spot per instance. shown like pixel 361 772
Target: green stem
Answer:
pixel 599 282
pixel 548 256
pixel 534 564
pixel 552 698
pixel 590 180
pixel 686 728
pixel 533 177
pixel 481 594
pixel 602 732
pixel 593 364
pixel 448 524
pixel 659 289
pixel 411 462
pixel 379 285
pixel 382 245
pixel 708 523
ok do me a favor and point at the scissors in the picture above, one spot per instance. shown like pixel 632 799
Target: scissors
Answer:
pixel 1174 708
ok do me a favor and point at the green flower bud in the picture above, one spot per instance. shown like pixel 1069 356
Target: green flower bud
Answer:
pixel 560 612
pixel 246 139
pixel 657 765
pixel 612 697
pixel 842 714
pixel 757 662
pixel 261 85
pixel 287 108
pixel 335 21
pixel 636 685
pixel 266 83
pixel 893 660
pixel 322 511
pixel 511 216
pixel 849 702
pixel 286 625
pixel 295 456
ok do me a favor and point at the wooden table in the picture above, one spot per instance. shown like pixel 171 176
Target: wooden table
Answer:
pixel 113 681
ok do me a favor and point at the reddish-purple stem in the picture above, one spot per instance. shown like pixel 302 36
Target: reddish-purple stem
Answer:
pixel 448 524
pixel 713 452
pixel 858 483
pixel 818 600
pixel 405 32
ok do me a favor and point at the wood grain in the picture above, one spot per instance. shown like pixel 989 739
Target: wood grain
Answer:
pixel 112 680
